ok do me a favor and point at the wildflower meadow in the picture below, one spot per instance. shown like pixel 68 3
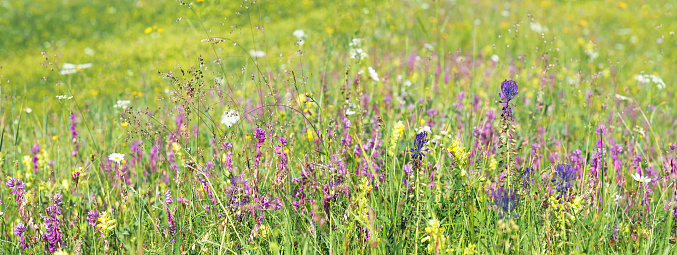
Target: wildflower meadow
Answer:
pixel 338 127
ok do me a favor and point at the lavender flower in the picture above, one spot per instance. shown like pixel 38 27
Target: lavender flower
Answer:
pixel 418 152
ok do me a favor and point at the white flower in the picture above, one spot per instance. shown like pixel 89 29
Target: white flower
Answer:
pixel 64 97
pixel 68 68
pixel 122 104
pixel 494 58
pixel 117 157
pixel 423 129
pixel 407 83
pixel 621 97
pixel 358 54
pixel 257 53
pixel 444 132
pixel 640 178
pixel 356 42
pixel 89 51
pixel 428 46
pixel 538 28
pixel 373 74
pixel 28 110
pixel 649 78
pixel 350 110
pixel 399 77
pixel 230 118
pixel 436 139
pixel 299 34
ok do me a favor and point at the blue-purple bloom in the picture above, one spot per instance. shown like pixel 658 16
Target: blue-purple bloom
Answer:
pixel 506 200
pixel 564 176
pixel 508 92
pixel 418 152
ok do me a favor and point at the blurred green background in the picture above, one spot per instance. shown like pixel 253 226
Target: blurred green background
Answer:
pixel 596 46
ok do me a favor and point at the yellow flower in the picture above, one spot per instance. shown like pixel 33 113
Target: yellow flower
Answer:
pixel 124 124
pixel 106 223
pixel 176 147
pixel 148 30
pixel 55 137
pixel 582 23
pixel 309 134
pixel 60 252
pixel 470 250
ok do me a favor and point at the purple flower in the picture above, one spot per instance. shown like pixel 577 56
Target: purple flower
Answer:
pixel 168 197
pixel 53 235
pixel 506 200
pixel 93 217
pixel 260 134
pixel 508 92
pixel 74 134
pixel 418 152
pixel 57 199
pixel 16 186
pixel 564 175
pixel 19 230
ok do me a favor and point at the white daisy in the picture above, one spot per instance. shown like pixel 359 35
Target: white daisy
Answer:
pixel 640 178
pixel 64 97
pixel 117 157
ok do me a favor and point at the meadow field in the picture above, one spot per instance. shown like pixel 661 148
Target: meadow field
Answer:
pixel 338 127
